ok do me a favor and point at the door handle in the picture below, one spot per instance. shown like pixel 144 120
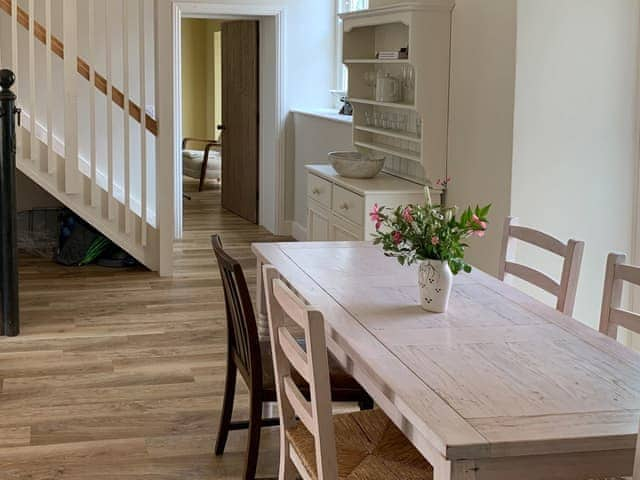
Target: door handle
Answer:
pixel 221 128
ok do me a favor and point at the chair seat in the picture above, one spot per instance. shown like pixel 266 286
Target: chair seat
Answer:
pixel 343 387
pixel 368 445
pixel 192 163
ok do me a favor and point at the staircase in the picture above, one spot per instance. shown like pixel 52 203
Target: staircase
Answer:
pixel 89 138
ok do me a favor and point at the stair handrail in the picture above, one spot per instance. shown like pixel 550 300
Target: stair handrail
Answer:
pixel 9 311
pixel 84 69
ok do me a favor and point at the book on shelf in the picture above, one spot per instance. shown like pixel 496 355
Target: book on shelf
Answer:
pixel 401 54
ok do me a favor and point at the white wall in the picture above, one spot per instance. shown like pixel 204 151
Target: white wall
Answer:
pixel 481 116
pixel 310 72
pixel 574 163
pixel 315 137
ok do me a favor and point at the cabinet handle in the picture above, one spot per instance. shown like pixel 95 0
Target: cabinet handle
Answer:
pixel 344 206
pixel 316 191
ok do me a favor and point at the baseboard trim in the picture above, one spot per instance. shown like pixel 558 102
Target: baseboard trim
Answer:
pixel 298 232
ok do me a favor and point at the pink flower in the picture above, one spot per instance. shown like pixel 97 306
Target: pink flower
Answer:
pixel 397 237
pixel 435 241
pixel 406 214
pixel 481 232
pixel 375 213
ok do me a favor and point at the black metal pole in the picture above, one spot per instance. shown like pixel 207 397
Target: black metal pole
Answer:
pixel 8 234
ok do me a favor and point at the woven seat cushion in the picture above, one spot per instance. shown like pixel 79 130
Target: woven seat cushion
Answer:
pixel 369 447
pixel 192 163
pixel 343 386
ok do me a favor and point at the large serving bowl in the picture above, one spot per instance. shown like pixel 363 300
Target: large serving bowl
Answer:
pixel 356 164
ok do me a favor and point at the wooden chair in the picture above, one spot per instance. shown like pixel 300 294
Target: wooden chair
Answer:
pixel 636 468
pixel 571 253
pixel 613 315
pixel 315 444
pixel 201 164
pixel 251 357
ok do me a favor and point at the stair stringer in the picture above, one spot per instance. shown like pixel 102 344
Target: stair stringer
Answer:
pixel 147 254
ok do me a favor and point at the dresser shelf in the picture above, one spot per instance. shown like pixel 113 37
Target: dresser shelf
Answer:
pixel 398 152
pixel 424 28
pixel 399 134
pixel 366 101
pixel 375 61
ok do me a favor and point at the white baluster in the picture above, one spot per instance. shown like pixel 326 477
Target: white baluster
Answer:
pixel 14 59
pixel 35 148
pixel 70 19
pixel 51 156
pixel 94 195
pixel 108 47
pixel 127 125
pixel 143 122
pixel 156 89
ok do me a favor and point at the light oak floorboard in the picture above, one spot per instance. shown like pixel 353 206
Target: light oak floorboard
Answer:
pixel 120 374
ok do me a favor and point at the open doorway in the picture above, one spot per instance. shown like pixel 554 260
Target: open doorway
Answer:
pixel 220 112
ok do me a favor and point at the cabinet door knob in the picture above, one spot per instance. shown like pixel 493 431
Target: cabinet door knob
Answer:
pixel 344 206
pixel 316 191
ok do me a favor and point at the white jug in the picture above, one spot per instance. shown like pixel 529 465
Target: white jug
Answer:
pixel 387 88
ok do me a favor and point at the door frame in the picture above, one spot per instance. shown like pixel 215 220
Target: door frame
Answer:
pixel 272 142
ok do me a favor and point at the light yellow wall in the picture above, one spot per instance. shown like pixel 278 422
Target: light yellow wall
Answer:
pixel 217 86
pixel 200 74
pixel 194 78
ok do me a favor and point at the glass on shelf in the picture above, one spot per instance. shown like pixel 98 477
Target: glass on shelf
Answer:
pixel 408 83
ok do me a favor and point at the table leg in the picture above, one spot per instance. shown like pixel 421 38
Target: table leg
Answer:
pixel 261 305
pixel 445 470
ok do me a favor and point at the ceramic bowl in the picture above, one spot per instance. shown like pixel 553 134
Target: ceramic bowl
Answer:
pixel 356 164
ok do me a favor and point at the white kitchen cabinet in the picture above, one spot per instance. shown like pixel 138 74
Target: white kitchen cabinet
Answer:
pixel 338 208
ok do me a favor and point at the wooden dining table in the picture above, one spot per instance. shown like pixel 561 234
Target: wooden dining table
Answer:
pixel 499 387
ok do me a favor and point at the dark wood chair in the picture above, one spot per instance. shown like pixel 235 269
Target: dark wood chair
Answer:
pixel 251 357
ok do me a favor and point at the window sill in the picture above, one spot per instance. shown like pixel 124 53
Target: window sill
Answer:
pixel 325 113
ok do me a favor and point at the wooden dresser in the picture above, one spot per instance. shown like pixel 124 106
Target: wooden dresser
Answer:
pixel 338 208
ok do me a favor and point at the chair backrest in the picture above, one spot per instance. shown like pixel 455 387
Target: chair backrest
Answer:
pixel 242 330
pixel 283 307
pixel 636 468
pixel 571 253
pixel 613 315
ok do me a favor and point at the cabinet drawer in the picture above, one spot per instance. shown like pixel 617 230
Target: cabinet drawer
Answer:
pixel 344 231
pixel 348 204
pixel 319 189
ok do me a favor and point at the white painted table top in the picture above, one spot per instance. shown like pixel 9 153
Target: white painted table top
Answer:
pixel 499 375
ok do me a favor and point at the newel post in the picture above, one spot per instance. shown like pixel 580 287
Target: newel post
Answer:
pixel 10 312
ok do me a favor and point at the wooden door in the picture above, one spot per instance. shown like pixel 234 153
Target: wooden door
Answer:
pixel 240 109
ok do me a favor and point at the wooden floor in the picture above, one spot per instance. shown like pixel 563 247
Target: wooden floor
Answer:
pixel 119 374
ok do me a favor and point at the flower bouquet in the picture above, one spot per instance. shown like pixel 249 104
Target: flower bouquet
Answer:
pixel 433 236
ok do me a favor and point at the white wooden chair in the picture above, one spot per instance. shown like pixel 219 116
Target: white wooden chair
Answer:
pixel 636 468
pixel 571 253
pixel 613 315
pixel 315 444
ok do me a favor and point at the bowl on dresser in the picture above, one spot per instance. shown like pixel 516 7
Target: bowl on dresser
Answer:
pixel 356 164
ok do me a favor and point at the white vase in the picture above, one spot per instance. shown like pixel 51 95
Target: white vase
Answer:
pixel 435 280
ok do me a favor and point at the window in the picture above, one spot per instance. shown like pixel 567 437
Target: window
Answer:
pixel 343 6
pixel 352 5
